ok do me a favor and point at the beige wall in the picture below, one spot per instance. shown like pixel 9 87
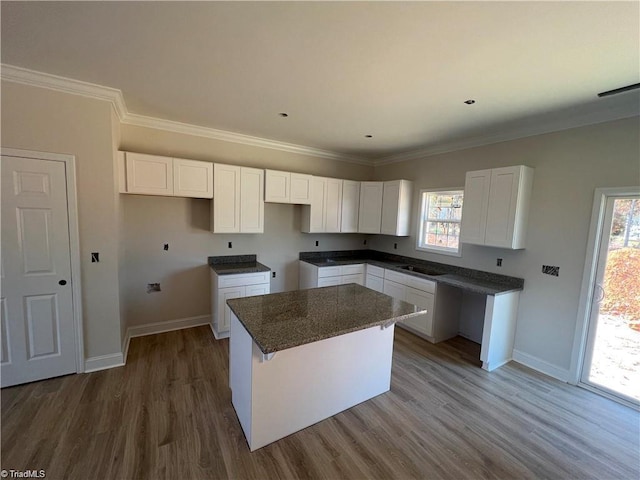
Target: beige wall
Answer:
pixel 150 222
pixel 568 165
pixel 48 121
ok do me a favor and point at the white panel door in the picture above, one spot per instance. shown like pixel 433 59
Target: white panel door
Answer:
pixel 370 212
pixel 192 178
pixel 38 333
pixel 422 323
pixel 318 201
pixel 333 205
pixel 253 290
pixel 375 283
pixel 474 210
pixel 390 207
pixel 226 199
pixel 251 200
pixel 149 174
pixel 501 209
pixel 301 188
pixel 350 206
pixel 394 289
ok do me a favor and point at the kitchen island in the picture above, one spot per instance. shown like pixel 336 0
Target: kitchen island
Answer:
pixel 296 358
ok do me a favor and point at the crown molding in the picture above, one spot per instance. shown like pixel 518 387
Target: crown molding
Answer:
pixel 226 136
pixel 34 78
pixel 540 128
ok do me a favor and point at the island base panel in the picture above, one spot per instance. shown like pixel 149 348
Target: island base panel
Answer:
pixel 301 386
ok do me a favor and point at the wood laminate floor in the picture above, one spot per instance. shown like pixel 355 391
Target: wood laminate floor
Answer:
pixel 168 414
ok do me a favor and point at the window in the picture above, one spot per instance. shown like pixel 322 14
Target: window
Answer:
pixel 439 222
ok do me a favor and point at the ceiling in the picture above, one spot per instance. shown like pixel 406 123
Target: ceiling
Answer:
pixel 399 71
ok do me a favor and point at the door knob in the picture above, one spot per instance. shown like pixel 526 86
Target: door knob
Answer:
pixel 62 282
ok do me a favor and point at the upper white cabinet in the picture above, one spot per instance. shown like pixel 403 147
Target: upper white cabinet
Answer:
pixel 155 175
pixel 238 205
pixel 396 208
pixel 350 206
pixel 192 178
pixel 496 206
pixel 287 187
pixel 325 212
pixel 370 212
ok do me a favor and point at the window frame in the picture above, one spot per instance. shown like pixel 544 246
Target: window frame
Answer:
pixel 420 224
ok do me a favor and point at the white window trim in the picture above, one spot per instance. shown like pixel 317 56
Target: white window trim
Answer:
pixel 434 249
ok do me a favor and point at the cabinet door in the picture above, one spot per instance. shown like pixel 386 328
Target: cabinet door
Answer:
pixel 355 278
pixel 370 212
pixel 422 323
pixel 226 199
pixel 394 289
pixel 253 290
pixel 251 200
pixel 333 205
pixel 313 215
pixel 396 208
pixel 301 188
pixel 149 174
pixel 474 208
pixel 501 209
pixel 192 178
pixel 375 283
pixel 329 281
pixel 224 312
pixel 350 206
pixel 277 186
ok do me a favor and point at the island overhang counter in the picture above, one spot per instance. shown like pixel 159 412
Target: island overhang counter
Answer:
pixel 296 358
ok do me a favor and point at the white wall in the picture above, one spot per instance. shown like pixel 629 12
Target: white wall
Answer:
pixel 568 165
pixel 44 120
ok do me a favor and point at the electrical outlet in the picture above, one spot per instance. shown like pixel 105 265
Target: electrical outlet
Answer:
pixel 273 274
pixel 317 243
pixel 395 246
pixel 95 257
pixel 166 246
pixel 230 245
pixel 365 242
pixel 499 262
pixel 551 270
pixel 153 287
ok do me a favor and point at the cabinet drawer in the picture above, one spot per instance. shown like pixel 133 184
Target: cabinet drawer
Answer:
pixel 329 281
pixel 353 269
pixel 243 279
pixel 395 276
pixel 355 278
pixel 329 272
pixel 375 271
pixel 428 286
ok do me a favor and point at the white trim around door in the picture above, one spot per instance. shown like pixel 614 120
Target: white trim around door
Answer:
pixel 588 278
pixel 74 238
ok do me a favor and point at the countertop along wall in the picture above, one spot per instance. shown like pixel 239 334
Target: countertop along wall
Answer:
pixel 568 165
pixel 150 222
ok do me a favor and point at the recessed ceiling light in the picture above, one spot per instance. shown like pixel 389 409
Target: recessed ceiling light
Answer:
pixel 470 102
pixel 368 136
pixel 284 115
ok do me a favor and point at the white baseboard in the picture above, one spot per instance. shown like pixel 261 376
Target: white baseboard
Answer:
pixel 542 366
pixel 102 362
pixel 162 327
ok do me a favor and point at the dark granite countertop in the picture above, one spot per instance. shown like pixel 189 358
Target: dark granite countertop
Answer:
pixel 285 320
pixel 231 264
pixel 476 281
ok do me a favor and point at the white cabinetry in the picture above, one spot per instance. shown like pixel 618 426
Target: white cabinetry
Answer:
pixel 238 205
pixel 350 206
pixel 311 276
pixel 370 213
pixel 325 212
pixel 165 176
pixel 226 287
pixel 375 278
pixel 441 320
pixel 396 208
pixel 287 187
pixel 496 206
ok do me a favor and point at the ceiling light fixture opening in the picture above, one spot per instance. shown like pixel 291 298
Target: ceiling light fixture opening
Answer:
pixel 283 114
pixel 470 101
pixel 368 136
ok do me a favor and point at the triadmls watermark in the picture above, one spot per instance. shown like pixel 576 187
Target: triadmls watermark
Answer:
pixel 23 473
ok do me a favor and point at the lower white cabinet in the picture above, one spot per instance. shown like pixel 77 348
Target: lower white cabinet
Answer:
pixel 441 302
pixel 311 276
pixel 226 287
